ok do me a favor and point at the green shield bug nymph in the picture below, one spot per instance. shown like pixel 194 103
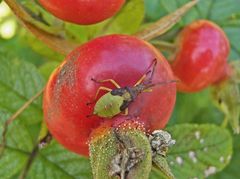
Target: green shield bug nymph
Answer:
pixel 117 100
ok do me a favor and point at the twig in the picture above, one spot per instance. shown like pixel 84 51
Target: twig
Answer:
pixel 13 117
pixel 37 147
pixel 56 42
pixel 31 158
pixel 165 23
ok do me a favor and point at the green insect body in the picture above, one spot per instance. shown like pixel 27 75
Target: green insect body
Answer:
pixel 117 100
pixel 108 105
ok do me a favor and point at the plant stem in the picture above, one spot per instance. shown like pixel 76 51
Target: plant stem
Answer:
pixel 37 147
pixel 55 42
pixel 31 158
pixel 164 24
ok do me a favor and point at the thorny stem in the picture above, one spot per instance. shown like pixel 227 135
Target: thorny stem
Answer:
pixel 165 23
pixel 13 117
pixel 56 42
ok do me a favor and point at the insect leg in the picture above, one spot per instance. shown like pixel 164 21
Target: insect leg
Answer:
pixel 102 88
pixel 108 80
pixel 153 69
pixel 141 79
pixel 154 63
pixel 147 90
pixel 125 112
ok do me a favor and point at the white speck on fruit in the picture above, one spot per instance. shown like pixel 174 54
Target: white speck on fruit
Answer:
pixel 179 160
pixel 171 163
pixel 205 149
pixel 201 141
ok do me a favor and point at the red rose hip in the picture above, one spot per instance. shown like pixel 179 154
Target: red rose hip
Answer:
pixel 201 56
pixel 122 58
pixel 82 11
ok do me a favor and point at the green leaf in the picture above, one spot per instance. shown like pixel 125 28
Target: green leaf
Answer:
pixel 200 150
pixel 225 13
pixel 19 81
pixel 47 69
pixel 56 162
pixel 195 108
pixel 232 170
pixel 41 48
pixel 128 20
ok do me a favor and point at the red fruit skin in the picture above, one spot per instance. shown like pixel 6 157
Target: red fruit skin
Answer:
pixel 122 58
pixel 83 12
pixel 201 56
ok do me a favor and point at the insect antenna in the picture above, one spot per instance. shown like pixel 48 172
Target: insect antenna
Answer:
pixel 154 64
pixel 153 70
pixel 161 83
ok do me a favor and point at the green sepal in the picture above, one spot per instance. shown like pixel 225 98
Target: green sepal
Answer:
pixel 106 148
pixel 102 150
pixel 44 136
pixel 138 139
pixel 43 131
pixel 226 96
pixel 162 166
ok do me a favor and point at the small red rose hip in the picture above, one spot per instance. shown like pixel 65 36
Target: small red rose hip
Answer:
pixel 201 56
pixel 122 58
pixel 82 11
